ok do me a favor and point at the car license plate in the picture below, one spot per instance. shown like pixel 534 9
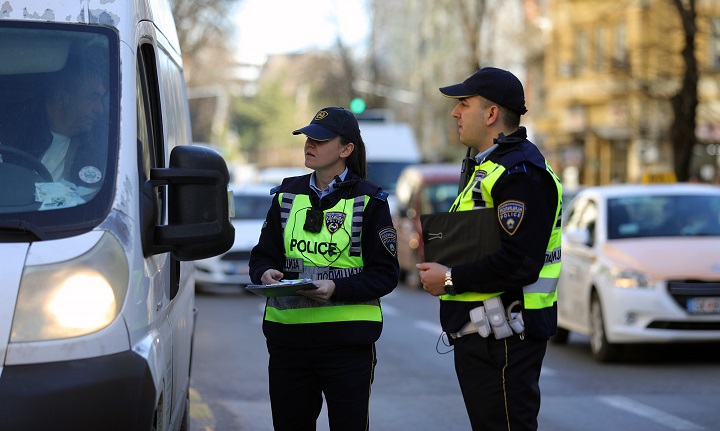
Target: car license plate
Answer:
pixel 238 269
pixel 704 305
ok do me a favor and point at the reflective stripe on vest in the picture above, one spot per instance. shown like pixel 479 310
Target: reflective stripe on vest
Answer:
pixel 543 292
pixel 356 230
pixel 327 254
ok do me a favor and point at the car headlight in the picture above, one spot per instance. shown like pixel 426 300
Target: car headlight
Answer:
pixel 632 280
pixel 72 298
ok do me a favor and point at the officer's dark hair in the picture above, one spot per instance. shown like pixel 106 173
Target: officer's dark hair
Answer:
pixel 510 118
pixel 356 161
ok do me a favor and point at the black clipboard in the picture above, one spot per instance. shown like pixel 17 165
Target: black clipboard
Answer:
pixel 455 238
pixel 281 288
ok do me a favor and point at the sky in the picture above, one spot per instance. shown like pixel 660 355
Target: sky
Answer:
pixel 283 26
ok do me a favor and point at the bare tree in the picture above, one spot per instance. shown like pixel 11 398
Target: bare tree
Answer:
pixel 202 23
pixel 685 102
pixel 472 15
pixel 205 31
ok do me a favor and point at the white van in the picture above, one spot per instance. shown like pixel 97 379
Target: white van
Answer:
pixel 390 148
pixel 102 207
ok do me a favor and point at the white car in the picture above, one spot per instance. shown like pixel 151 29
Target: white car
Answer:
pixel 230 269
pixel 641 264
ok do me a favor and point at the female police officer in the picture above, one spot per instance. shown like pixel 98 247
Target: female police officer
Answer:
pixel 334 227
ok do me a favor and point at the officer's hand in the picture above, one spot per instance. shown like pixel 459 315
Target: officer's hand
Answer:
pixel 271 276
pixel 325 290
pixel 432 276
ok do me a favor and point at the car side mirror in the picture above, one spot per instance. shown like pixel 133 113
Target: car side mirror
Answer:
pixel 579 236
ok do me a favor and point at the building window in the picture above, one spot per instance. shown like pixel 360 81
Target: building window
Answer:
pixel 620 53
pixel 715 43
pixel 599 51
pixel 580 51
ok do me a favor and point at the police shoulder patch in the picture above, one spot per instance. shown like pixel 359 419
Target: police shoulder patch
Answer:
pixel 388 237
pixel 510 215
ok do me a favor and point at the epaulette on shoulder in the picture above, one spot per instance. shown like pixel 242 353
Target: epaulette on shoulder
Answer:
pixel 275 189
pixel 381 195
pixel 519 168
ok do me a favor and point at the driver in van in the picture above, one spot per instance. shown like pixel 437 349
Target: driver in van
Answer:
pixel 61 132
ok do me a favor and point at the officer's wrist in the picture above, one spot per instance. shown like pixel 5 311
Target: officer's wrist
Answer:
pixel 449 287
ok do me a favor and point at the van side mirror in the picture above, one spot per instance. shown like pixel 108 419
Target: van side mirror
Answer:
pixel 198 216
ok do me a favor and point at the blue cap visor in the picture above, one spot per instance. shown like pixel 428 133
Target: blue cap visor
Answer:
pixel 318 133
pixel 457 91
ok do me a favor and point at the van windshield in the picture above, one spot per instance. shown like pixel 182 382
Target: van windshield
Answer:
pixel 385 174
pixel 58 127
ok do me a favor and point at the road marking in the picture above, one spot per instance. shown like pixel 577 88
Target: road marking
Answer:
pixel 655 415
pixel 389 310
pixel 435 328
pixel 547 372
pixel 198 409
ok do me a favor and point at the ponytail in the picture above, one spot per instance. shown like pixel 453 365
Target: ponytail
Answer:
pixel 356 161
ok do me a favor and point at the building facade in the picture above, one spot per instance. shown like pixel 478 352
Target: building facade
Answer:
pixel 610 70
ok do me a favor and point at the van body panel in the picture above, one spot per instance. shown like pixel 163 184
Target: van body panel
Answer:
pixel 390 148
pixel 110 392
pixel 109 340
pixel 12 256
pixel 46 252
pixel 390 142
pixel 140 215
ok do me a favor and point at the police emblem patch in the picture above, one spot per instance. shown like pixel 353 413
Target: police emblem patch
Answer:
pixel 334 221
pixel 480 175
pixel 321 114
pixel 388 237
pixel 510 215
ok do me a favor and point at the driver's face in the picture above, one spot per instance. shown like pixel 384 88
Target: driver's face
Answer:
pixel 85 107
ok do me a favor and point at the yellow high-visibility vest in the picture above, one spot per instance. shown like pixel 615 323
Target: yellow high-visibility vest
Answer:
pixel 332 253
pixel 543 292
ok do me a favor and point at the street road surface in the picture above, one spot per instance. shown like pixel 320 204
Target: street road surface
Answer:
pixel 657 388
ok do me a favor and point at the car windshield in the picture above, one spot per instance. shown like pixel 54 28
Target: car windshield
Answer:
pixel 58 139
pixel 251 206
pixel 663 216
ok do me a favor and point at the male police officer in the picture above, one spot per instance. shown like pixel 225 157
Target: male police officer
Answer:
pixel 499 311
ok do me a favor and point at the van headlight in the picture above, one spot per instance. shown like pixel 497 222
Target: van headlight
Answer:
pixel 72 298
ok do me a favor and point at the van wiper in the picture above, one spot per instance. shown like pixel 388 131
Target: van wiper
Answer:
pixel 20 230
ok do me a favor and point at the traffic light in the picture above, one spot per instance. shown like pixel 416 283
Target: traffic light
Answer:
pixel 357 106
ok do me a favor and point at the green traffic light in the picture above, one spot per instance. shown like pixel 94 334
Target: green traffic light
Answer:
pixel 357 106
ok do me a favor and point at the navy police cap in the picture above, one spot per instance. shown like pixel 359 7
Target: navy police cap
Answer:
pixel 496 85
pixel 331 122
